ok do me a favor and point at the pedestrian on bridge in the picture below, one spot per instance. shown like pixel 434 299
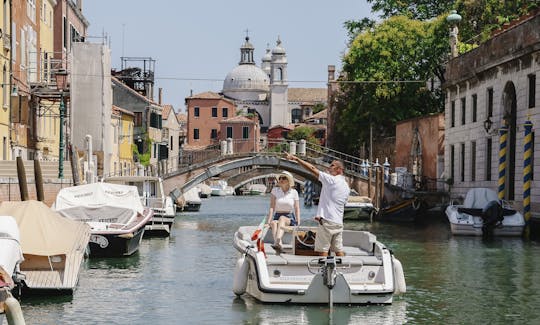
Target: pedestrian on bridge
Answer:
pixel 334 194
pixel 284 208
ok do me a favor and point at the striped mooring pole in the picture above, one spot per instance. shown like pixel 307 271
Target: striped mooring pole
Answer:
pixel 527 170
pixel 503 132
pixel 308 193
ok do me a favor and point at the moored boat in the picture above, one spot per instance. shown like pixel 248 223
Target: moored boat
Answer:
pixel 114 212
pixel 152 195
pixel 53 247
pixel 358 207
pixel 190 201
pixel 483 214
pixel 10 259
pixel 367 274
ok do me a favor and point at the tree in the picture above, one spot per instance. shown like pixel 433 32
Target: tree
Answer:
pixel 386 68
pixel 302 133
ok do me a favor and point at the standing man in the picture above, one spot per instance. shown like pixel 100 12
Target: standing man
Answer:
pixel 334 194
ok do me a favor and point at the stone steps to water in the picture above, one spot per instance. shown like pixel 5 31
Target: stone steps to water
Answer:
pixel 49 169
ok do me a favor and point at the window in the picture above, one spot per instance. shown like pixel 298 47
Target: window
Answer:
pixel 138 119
pixel 171 143
pixel 229 132
pixel 463 111
pixel 225 112
pixel 532 90
pixel 490 102
pixel 65 32
pixel 489 149
pixel 296 115
pixel 452 163
pixel 213 134
pixel 474 107
pixel 195 134
pixel 453 114
pixel 473 161
pixel 245 132
pixel 462 163
pixel 196 112
pixel 214 111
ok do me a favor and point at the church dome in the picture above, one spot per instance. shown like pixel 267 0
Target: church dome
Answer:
pixel 246 82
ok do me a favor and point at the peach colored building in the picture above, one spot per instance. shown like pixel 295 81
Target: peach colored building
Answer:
pixel 420 146
pixel 204 112
pixel 244 132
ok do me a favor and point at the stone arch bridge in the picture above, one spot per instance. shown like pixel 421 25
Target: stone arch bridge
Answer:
pixel 239 169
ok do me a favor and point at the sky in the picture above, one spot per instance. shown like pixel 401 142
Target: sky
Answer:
pixel 196 43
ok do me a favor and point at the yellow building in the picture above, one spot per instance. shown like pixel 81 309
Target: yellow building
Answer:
pixel 5 77
pixel 123 125
pixel 47 119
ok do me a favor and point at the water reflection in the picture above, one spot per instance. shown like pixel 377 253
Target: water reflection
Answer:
pixel 258 313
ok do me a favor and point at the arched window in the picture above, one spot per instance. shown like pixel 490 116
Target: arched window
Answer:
pixel 296 115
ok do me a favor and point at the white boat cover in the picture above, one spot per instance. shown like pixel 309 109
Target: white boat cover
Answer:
pixel 192 195
pixel 205 189
pixel 99 202
pixel 478 198
pixel 43 231
pixel 11 253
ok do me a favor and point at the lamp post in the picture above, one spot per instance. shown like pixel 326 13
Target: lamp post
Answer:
pixel 61 79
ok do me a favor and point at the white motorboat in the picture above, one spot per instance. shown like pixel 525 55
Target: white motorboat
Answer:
pixel 150 190
pixel 483 214
pixel 114 212
pixel 358 207
pixel 220 188
pixel 190 201
pixel 53 247
pixel 255 189
pixel 11 257
pixel 367 274
pixel 204 190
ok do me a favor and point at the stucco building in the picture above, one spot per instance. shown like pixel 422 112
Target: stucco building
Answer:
pixel 491 89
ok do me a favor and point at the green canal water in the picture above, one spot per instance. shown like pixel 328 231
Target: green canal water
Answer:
pixel 187 278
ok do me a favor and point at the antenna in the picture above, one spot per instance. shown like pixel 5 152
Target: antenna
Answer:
pixel 123 37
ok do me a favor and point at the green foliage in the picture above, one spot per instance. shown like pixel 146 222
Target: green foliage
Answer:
pixel 303 133
pixel 144 158
pixel 397 49
pixel 318 108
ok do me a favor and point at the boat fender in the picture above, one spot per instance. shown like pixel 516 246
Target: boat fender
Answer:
pixel 240 276
pixel 13 310
pixel 399 277
pixel 126 236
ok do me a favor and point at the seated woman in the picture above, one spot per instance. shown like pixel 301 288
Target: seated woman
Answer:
pixel 284 207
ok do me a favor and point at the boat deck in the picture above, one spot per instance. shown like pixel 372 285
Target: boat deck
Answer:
pixel 56 273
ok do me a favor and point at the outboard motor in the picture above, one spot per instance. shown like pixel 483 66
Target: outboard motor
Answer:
pixel 492 217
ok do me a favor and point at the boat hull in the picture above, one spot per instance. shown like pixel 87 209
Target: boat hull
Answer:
pixel 189 207
pixel 366 274
pixel 467 225
pixel 405 211
pixel 105 245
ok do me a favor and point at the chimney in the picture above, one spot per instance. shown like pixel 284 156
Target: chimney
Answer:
pixel 160 95
pixel 331 72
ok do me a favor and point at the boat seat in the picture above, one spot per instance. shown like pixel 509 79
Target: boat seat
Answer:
pixel 363 239
pixel 275 260
pixel 354 251
pixel 347 260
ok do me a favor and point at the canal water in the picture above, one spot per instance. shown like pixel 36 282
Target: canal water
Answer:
pixel 187 278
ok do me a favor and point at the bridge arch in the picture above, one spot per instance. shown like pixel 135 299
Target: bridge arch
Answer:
pixel 273 161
